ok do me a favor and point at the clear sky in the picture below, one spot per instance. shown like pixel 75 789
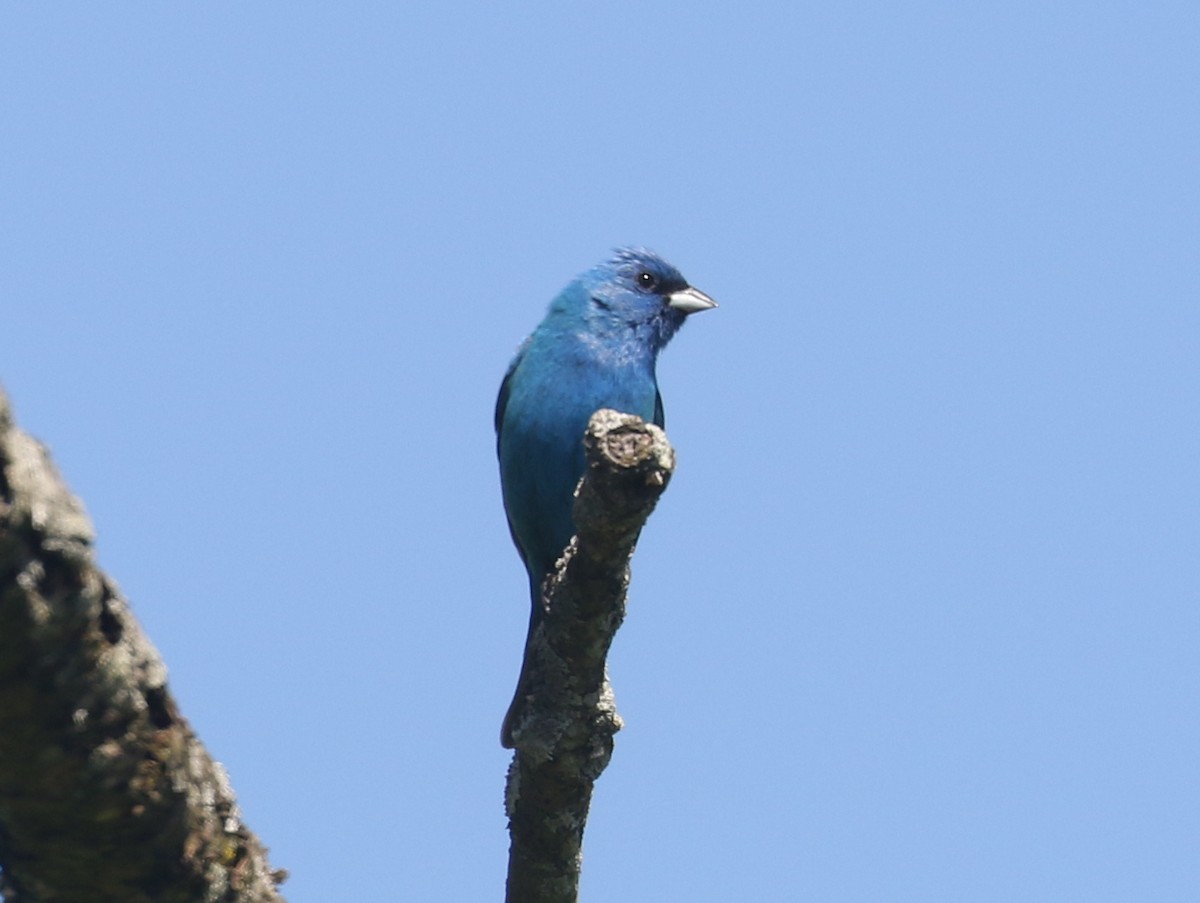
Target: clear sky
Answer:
pixel 918 618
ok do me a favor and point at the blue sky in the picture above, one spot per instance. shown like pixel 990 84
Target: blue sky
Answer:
pixel 917 619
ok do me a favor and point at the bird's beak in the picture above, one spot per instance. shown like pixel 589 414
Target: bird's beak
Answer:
pixel 690 300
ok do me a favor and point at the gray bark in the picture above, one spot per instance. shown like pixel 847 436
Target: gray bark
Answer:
pixel 563 731
pixel 105 792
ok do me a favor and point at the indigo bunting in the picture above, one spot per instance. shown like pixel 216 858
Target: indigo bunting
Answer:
pixel 596 348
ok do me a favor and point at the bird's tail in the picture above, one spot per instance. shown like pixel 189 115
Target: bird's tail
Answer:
pixel 518 701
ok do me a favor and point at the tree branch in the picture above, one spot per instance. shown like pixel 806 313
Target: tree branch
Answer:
pixel 105 792
pixel 563 733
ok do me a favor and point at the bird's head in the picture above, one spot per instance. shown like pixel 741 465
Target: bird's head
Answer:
pixel 637 296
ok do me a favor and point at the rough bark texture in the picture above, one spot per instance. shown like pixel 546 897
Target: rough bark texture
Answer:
pixel 105 792
pixel 564 731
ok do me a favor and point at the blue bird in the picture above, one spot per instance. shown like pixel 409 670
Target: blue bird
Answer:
pixel 596 348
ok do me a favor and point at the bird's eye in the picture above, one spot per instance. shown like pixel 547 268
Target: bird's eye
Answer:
pixel 646 280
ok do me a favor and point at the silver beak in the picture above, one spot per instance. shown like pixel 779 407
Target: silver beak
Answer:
pixel 690 300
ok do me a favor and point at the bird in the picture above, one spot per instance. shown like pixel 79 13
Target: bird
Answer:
pixel 596 347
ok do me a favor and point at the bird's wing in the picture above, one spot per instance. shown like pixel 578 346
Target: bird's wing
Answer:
pixel 501 405
pixel 502 398
pixel 659 416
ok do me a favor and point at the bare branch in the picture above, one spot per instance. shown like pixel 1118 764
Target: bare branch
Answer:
pixel 563 733
pixel 105 792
